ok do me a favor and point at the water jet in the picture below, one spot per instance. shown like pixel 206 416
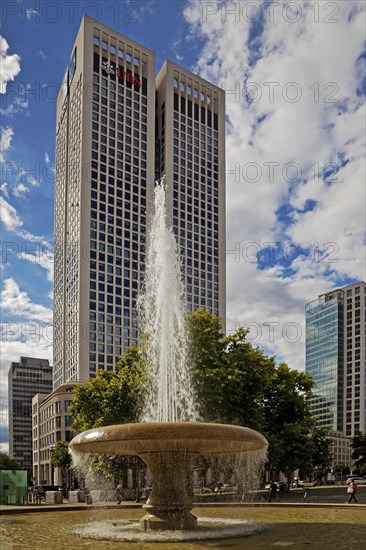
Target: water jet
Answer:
pixel 169 438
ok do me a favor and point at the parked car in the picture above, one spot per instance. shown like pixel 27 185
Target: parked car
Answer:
pixel 306 483
pixel 358 480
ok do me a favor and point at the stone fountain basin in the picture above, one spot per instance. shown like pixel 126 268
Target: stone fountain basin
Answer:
pixel 185 437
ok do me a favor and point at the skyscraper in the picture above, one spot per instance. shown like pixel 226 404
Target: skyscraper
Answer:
pixel 191 146
pixel 335 358
pixel 115 134
pixel 26 378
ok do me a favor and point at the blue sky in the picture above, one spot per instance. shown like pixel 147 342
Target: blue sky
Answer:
pixel 294 73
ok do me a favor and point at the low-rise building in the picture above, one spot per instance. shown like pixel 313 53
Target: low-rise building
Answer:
pixel 51 423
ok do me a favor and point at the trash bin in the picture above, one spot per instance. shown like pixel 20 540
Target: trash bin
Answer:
pixel 54 497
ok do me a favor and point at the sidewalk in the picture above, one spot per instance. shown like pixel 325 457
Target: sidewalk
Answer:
pixel 67 506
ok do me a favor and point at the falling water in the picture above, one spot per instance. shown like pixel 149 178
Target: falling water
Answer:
pixel 169 396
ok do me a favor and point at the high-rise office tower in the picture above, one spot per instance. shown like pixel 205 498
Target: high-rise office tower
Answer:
pixel 191 148
pixel 335 358
pixel 116 134
pixel 26 378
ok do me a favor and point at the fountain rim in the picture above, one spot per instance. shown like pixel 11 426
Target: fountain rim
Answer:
pixel 143 437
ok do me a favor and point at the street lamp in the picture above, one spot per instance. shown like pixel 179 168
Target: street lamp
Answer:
pixel 52 467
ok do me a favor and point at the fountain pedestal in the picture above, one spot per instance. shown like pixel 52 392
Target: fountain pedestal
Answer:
pixel 168 506
pixel 168 449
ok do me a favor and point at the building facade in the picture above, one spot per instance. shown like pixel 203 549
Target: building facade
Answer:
pixel 26 378
pixel 335 358
pixel 342 451
pixel 118 129
pixel 190 151
pixel 324 358
pixel 50 423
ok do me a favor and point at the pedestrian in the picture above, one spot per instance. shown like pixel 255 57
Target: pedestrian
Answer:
pixel 88 497
pixel 119 495
pixel 352 490
pixel 273 491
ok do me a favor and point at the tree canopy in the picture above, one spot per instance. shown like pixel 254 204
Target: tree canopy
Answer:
pixel 359 452
pixel 8 463
pixel 60 456
pixel 234 382
pixel 110 398
pixel 237 383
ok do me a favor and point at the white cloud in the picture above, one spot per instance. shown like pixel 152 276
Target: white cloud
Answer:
pixel 20 190
pixel 30 12
pixel 17 303
pixel 5 140
pixel 18 105
pixel 47 158
pixel 10 66
pixel 9 216
pixel 42 258
pixel 42 55
pixel 25 176
pixel 176 47
pixel 317 61
pixel 33 181
pixel 4 448
pixel 145 8
pixel 13 222
pixel 4 189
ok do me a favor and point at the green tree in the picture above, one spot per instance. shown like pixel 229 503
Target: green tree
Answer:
pixel 341 470
pixel 361 470
pixel 229 374
pixel 237 383
pixel 288 421
pixel 61 458
pixel 7 463
pixel 113 397
pixel 359 449
pixel 296 450
pixel 322 452
pixel 116 466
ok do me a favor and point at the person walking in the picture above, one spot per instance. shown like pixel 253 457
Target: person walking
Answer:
pixel 273 491
pixel 352 490
pixel 119 494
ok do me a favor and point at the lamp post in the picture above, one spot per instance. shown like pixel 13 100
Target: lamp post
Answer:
pixel 52 466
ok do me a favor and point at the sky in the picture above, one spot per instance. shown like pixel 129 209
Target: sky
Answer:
pixel 294 75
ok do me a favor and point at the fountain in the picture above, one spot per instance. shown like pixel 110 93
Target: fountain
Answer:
pixel 169 437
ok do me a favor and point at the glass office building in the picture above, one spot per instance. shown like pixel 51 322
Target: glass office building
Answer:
pixel 335 358
pixel 324 359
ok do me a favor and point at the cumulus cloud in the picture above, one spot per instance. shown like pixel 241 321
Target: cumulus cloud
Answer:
pixel 43 258
pixel 9 216
pixel 295 144
pixel 10 66
pixel 5 140
pixel 4 189
pixel 17 303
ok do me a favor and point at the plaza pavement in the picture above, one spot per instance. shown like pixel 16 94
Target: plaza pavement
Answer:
pixel 329 496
